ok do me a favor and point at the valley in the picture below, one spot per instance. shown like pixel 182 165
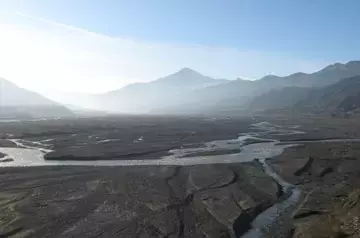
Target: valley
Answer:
pixel 186 155
pixel 179 119
pixel 220 193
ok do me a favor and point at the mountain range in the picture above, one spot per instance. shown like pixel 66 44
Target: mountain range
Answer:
pixel 189 92
pixel 269 92
pixel 167 92
pixel 316 95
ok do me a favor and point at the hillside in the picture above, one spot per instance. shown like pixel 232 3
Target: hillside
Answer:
pixel 350 103
pixel 278 98
pixel 16 102
pixel 341 95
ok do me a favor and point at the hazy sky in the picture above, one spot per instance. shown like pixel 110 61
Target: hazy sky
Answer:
pixel 94 46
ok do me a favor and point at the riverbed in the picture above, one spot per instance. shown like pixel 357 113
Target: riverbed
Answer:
pixel 252 145
pixel 26 155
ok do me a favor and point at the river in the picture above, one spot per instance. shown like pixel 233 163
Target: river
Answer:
pixel 263 149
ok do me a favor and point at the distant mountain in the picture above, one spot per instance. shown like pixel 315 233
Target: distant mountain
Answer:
pixel 248 94
pixel 16 102
pixel 342 95
pixel 164 92
pixel 184 80
pixel 209 99
pixel 328 75
pixel 188 91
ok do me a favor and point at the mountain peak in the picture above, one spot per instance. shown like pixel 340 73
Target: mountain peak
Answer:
pixel 187 70
pixel 299 74
pixel 341 67
pixel 269 76
pixel 335 66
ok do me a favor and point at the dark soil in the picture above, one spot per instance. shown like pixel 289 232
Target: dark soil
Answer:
pixel 7 143
pixel 328 173
pixel 167 201
pixel 127 137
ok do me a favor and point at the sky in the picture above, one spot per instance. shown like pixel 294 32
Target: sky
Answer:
pixel 99 45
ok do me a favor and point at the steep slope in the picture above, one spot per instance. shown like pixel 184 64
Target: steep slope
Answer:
pixel 335 96
pixel 16 102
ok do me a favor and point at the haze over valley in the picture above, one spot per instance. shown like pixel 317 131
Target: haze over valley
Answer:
pixel 179 119
pixel 189 92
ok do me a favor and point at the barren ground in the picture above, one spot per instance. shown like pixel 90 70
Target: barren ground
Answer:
pixel 172 201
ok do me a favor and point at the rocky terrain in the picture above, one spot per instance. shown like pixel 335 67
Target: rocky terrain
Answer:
pixel 194 201
pixel 7 143
pixel 328 175
pixel 123 137
pixel 213 200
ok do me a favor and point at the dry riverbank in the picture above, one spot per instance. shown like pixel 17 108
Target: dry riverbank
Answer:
pixel 329 175
pixel 167 201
